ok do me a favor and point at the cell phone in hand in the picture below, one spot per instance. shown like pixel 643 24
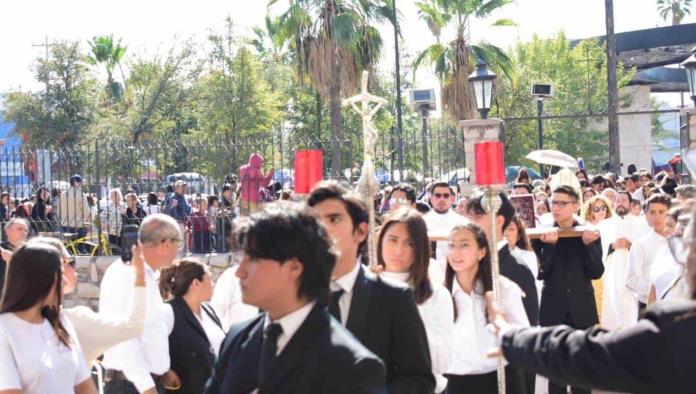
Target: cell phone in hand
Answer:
pixel 128 240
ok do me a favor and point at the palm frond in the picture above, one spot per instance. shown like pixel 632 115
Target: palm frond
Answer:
pixel 487 8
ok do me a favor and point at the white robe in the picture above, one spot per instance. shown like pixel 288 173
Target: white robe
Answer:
pixel 619 307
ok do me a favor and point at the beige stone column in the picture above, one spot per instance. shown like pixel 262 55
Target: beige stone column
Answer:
pixel 479 130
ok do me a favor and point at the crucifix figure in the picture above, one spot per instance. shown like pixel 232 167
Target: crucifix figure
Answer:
pixel 367 184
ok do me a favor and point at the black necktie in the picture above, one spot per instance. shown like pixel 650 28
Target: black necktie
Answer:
pixel 334 309
pixel 268 351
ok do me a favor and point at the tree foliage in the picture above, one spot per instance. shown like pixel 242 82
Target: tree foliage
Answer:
pixel 578 73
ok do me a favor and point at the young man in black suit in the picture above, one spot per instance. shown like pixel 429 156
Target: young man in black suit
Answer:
pixel 383 317
pixel 510 267
pixel 294 346
pixel 567 267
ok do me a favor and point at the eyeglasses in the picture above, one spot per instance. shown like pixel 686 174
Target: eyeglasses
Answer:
pixel 70 261
pixel 441 195
pixel 599 209
pixel 561 204
pixel 394 201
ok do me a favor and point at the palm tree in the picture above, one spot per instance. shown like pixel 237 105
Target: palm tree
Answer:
pixel 677 8
pixel 453 62
pixel 332 42
pixel 105 51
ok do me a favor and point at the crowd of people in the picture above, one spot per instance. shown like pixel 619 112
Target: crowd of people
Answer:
pixel 307 312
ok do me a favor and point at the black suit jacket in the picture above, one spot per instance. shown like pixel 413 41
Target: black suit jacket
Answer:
pixel 567 269
pixel 192 357
pixel 322 357
pixel 519 273
pixel 386 320
pixel 656 355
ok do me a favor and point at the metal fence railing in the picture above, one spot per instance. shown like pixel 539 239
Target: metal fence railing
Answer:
pixel 121 181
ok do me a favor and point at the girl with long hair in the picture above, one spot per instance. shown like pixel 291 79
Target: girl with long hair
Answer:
pixel 468 278
pixel 403 250
pixel 520 248
pixel 39 350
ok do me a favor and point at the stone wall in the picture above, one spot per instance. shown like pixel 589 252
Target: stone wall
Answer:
pixel 90 271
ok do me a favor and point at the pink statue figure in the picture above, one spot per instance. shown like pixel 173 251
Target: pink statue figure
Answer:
pixel 252 178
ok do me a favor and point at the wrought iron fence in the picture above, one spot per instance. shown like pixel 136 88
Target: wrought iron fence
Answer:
pixel 36 182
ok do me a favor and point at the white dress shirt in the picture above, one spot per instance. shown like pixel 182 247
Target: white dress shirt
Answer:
pixel 472 338
pixel 441 224
pixel 227 300
pixel 529 258
pixel 640 259
pixel 290 324
pixel 98 332
pixel 437 313
pixel 346 283
pixel 148 353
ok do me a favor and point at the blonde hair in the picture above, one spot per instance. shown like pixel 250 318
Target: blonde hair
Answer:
pixel 587 207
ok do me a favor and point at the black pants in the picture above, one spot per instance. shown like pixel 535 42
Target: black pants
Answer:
pixel 484 383
pixel 122 386
pixel 555 388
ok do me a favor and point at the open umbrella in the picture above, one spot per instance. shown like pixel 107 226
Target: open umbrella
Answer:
pixel 512 171
pixel 553 158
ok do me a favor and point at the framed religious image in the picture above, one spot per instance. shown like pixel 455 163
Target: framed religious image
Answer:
pixel 524 206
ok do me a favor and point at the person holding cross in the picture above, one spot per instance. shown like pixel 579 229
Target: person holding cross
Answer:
pixel 567 267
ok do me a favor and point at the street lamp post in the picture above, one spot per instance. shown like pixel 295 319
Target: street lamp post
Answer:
pixel 482 79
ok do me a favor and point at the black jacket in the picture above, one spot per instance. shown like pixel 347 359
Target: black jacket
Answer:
pixel 519 273
pixel 656 355
pixel 386 320
pixel 192 357
pixel 567 269
pixel 321 357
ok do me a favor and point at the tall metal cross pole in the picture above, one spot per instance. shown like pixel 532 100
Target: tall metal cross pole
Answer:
pixel 367 184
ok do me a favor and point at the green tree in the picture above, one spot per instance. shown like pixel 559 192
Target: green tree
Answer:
pixel 62 114
pixel 678 9
pixel 333 41
pixel 453 62
pixel 578 73
pixel 160 93
pixel 109 53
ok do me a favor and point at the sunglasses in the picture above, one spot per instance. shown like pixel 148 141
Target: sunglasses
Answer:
pixel 599 209
pixel 441 195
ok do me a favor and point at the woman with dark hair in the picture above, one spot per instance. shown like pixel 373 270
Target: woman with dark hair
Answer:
pixel 523 177
pixel 153 205
pixel 468 277
pixel 197 333
pixel 39 351
pixel 403 249
pixel 40 213
pixel 520 248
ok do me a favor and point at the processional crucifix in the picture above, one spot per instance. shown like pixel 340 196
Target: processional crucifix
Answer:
pixel 367 184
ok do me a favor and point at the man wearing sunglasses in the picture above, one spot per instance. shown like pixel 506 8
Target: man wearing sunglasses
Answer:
pixel 442 218
pixel 567 267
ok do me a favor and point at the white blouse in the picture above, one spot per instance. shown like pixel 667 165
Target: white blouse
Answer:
pixel 437 313
pixel 212 330
pixel 472 338
pixel 34 361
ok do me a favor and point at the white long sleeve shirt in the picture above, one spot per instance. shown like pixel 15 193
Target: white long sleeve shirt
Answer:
pixel 472 339
pixel 98 332
pixel 437 313
pixel 227 300
pixel 149 352
pixel 640 259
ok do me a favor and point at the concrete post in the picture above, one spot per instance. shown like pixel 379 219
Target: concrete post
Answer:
pixel 479 130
